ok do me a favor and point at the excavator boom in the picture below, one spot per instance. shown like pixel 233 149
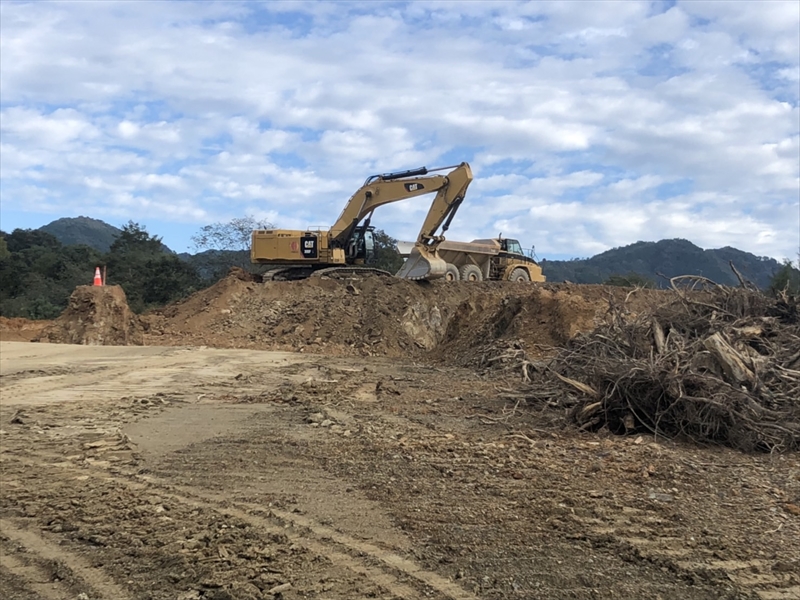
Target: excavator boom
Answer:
pixel 377 192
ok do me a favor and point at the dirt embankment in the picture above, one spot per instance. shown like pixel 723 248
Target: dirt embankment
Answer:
pixel 358 316
pixel 381 316
pixel 95 316
pixel 20 330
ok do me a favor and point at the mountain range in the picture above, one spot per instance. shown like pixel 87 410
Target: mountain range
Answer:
pixel 655 261
pixel 658 261
pixel 75 231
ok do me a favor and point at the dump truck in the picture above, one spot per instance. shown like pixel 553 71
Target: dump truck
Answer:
pixel 348 246
pixel 497 259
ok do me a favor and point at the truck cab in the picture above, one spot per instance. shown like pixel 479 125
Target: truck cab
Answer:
pixel 511 246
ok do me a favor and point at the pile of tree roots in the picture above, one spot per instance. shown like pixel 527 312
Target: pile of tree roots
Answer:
pixel 712 363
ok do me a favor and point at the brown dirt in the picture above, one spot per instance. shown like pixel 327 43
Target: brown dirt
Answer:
pixel 371 459
pixel 95 316
pixel 382 316
pixel 358 478
pixel 20 330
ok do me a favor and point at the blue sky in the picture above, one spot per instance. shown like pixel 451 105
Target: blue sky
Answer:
pixel 588 125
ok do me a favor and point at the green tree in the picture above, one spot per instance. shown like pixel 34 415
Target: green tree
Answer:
pixel 630 280
pixel 786 279
pixel 387 256
pixel 134 239
pixel 38 274
pixel 149 274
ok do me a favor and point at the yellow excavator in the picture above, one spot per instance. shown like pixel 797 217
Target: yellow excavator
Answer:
pixel 349 246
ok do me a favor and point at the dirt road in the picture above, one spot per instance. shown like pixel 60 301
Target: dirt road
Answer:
pixel 187 473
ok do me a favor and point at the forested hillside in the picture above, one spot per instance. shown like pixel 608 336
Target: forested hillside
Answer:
pixel 38 272
pixel 667 257
pixel 83 231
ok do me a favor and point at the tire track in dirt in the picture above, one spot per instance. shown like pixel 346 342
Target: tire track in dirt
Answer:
pixel 751 575
pixel 31 577
pixel 643 543
pixel 394 561
pixel 383 567
pixel 95 579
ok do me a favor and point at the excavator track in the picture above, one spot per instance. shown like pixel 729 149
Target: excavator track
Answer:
pixel 349 270
pixel 288 274
pixel 304 272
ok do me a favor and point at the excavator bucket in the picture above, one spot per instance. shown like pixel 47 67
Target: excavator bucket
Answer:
pixel 422 264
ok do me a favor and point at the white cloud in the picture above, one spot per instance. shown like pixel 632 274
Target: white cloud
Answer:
pixel 586 128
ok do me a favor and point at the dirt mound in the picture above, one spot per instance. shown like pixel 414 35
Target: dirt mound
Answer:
pixel 95 316
pixel 370 315
pixel 536 318
pixel 17 329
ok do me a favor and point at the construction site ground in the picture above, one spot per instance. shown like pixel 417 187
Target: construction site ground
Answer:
pixel 344 440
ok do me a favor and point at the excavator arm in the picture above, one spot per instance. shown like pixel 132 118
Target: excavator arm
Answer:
pixel 445 204
pixel 393 187
pixel 424 261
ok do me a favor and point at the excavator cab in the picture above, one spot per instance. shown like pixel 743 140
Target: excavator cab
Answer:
pixel 361 246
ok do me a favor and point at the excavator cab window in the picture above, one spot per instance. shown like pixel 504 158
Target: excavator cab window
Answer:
pixel 512 246
pixel 369 246
pixel 362 245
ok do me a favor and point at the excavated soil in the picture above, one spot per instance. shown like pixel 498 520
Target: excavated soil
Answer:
pixel 20 330
pixel 378 316
pixel 95 316
pixel 333 439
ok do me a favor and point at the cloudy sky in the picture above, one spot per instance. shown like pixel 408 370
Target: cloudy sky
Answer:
pixel 588 125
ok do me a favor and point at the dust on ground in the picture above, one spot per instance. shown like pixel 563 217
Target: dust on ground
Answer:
pixel 368 459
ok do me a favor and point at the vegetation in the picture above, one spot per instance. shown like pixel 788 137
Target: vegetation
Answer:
pixel 658 261
pixel 39 269
pixel 630 280
pixel 786 280
pixel 39 273
pixel 387 256
pixel 149 276
pixel 83 231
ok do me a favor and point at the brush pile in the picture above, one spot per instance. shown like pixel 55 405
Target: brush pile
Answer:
pixel 714 364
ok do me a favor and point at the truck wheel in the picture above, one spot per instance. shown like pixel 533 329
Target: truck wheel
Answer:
pixel 451 273
pixel 519 275
pixel 471 273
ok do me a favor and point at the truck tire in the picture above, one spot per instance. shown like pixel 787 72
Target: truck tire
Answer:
pixel 470 273
pixel 451 273
pixel 519 275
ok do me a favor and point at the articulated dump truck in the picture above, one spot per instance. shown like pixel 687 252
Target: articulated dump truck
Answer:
pixel 498 259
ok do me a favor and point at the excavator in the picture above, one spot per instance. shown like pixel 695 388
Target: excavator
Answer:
pixel 349 245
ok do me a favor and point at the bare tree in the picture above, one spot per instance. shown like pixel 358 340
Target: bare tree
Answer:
pixel 232 235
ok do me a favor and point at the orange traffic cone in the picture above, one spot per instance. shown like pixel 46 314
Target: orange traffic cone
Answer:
pixel 98 279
